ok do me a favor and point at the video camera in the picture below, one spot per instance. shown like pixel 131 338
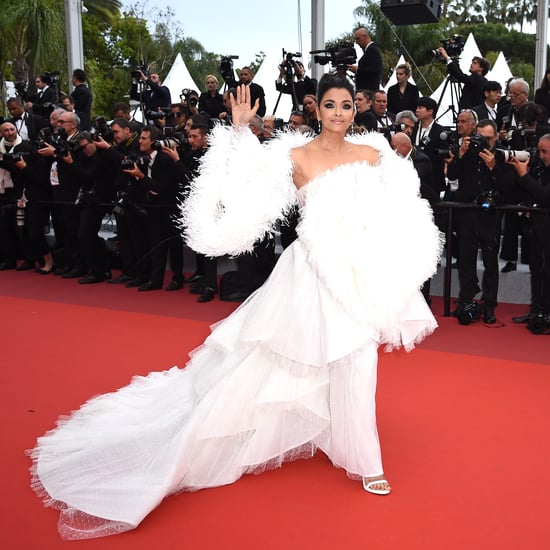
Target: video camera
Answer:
pixel 450 139
pixel 339 56
pixel 226 69
pixel 454 46
pixel 102 129
pixel 135 72
pixel 157 115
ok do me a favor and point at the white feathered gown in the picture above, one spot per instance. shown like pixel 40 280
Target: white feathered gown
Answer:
pixel 282 375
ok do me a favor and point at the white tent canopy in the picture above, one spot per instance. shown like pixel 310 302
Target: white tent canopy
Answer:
pixel 179 78
pixel 500 71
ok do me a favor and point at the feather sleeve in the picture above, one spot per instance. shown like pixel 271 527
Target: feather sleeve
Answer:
pixel 242 190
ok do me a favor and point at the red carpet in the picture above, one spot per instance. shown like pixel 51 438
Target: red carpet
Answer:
pixel 463 422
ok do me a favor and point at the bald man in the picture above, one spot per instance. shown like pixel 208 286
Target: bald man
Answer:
pixel 369 69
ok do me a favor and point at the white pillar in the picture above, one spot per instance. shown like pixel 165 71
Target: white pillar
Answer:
pixel 541 42
pixel 73 26
pixel 317 35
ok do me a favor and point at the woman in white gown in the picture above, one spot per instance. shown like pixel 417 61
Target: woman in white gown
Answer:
pixel 293 369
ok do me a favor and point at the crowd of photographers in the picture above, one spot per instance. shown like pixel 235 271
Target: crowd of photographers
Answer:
pixel 54 168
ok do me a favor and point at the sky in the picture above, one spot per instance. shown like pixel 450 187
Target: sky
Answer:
pixel 246 27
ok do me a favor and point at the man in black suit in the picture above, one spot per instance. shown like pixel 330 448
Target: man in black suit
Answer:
pixel 45 97
pixel 368 71
pixel 472 91
pixel 149 91
pixel 82 99
pixel 427 137
pixel 256 91
pixel 27 124
pixel 402 145
pixel 155 175
pixel 507 117
pixel 492 90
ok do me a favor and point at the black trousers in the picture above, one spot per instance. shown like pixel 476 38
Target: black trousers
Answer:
pixel 37 217
pixel 539 263
pixel 476 230
pixel 91 245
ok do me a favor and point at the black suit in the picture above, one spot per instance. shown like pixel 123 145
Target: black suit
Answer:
pixel 472 91
pixel 405 101
pixel 161 189
pixel 257 92
pixel 32 122
pixel 430 144
pixel 483 113
pixel 369 69
pixel 82 98
pixel 154 96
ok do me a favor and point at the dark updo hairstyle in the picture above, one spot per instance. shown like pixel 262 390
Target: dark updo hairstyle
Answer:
pixel 329 81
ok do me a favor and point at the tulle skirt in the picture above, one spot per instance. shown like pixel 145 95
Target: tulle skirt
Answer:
pixel 289 372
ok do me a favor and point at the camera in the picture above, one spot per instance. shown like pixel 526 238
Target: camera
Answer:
pixel 125 205
pixel 339 56
pixel 470 312
pixel 226 69
pixel 62 146
pixel 488 199
pixel 157 115
pixel 539 323
pixel 190 97
pixel 139 69
pixel 450 138
pixel 509 154
pixel 478 143
pixel 102 129
pixel 14 157
pixel 454 46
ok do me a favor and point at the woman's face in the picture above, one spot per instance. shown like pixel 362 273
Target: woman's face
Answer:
pixel 310 105
pixel 211 85
pixel 362 104
pixel 336 109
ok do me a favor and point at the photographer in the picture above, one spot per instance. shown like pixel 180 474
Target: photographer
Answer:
pixel 294 81
pixel 96 171
pixel 65 186
pixel 507 117
pixel 149 91
pixel 364 117
pixel 472 91
pixel 524 138
pixel 155 176
pixel 130 230
pixel 12 185
pixel 482 177
pixel 535 180
pixel 492 91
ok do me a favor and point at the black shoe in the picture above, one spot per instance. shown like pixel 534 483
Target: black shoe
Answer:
pixel 135 282
pixel 119 280
pixel 509 266
pixel 207 295
pixel 4 266
pixel 25 266
pixel 489 316
pixel 196 288
pixel 90 279
pixel 74 273
pixel 149 285
pixel 194 278
pixel 174 285
pixel 522 318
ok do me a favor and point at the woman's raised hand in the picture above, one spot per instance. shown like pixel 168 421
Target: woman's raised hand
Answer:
pixel 241 112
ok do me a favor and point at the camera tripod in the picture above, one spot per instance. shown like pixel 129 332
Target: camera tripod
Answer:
pixel 456 90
